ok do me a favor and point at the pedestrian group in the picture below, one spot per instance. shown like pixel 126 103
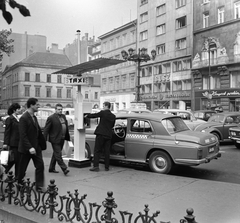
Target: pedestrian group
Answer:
pixel 25 140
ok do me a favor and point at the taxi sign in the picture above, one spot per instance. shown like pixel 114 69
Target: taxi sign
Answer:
pixel 76 81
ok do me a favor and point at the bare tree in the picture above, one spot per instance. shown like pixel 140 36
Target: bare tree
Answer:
pixel 13 4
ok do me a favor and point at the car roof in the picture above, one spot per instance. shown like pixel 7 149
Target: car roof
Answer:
pixel 172 110
pixel 134 109
pixel 152 116
pixel 228 113
pixel 205 111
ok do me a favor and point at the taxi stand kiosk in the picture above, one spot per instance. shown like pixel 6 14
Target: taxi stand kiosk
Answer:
pixel 81 108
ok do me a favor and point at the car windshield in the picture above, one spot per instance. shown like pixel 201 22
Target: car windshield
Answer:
pixel 217 118
pixel 174 125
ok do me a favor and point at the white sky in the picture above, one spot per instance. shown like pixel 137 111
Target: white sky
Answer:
pixel 59 20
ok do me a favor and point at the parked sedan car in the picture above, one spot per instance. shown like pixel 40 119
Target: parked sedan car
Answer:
pixel 133 110
pixel 219 124
pixel 204 114
pixel 186 115
pixel 157 140
pixel 234 135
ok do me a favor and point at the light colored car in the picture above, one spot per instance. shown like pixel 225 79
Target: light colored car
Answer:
pixel 187 116
pixel 133 110
pixel 43 113
pixel 157 140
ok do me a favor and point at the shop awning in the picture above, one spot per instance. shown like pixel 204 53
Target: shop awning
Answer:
pixel 89 66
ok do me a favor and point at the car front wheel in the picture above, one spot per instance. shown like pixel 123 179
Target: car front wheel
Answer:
pixel 160 162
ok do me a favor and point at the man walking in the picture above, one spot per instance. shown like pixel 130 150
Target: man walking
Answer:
pixel 31 144
pixel 103 134
pixel 56 129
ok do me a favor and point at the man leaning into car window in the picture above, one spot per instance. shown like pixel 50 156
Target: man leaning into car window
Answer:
pixel 103 134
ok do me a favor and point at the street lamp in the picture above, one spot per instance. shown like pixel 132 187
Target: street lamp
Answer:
pixel 141 56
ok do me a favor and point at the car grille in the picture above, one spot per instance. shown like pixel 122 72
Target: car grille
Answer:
pixel 235 134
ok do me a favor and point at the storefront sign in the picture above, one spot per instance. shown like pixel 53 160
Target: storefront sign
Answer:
pixel 149 97
pixel 220 93
pixel 181 95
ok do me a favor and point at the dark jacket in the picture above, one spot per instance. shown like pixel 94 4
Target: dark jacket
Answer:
pixel 30 135
pixel 107 121
pixel 11 133
pixel 53 129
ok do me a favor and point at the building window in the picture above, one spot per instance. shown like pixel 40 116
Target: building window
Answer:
pixel 117 41
pixel 237 10
pixel 48 92
pixel 104 84
pixel 133 36
pixel 166 68
pixel 69 93
pixel 235 79
pixel 144 17
pixel 59 93
pixel 181 44
pixel 96 95
pixel 37 91
pixel 27 76
pixel 111 44
pixel 186 84
pixel 86 95
pixel 161 49
pixel 161 10
pixel 180 3
pixel 186 64
pixel 48 78
pixel 215 82
pixel 124 39
pixel 143 35
pixel 117 83
pixel 206 82
pixel 205 19
pixel 104 47
pixel 124 79
pixel 161 29
pixel 27 91
pixel 177 66
pixel 132 80
pixel 37 77
pixel 181 22
pixel 158 69
pixel 59 78
pixel 177 85
pixel 220 15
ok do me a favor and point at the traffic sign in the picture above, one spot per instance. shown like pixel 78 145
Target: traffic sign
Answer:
pixel 76 81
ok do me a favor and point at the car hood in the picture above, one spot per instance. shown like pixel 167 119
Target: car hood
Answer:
pixel 207 125
pixel 196 137
pixel 235 129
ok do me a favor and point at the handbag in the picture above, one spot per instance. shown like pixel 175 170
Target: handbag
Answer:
pixel 4 156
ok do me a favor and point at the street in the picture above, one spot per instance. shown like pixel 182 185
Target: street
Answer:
pixel 225 169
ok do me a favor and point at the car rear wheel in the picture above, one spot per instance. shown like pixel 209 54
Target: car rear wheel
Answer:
pixel 237 145
pixel 160 162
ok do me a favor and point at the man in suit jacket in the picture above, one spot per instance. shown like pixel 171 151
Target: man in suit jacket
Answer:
pixel 31 144
pixel 56 128
pixel 103 134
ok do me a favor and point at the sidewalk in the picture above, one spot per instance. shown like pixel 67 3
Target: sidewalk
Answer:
pixel 212 201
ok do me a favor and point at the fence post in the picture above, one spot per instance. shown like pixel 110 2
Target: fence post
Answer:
pixel 190 218
pixel 52 191
pixel 10 181
pixel 109 204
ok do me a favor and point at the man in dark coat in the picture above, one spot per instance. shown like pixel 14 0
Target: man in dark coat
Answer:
pixel 31 144
pixel 56 128
pixel 103 134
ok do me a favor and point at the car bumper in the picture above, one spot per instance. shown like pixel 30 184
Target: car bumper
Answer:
pixel 234 139
pixel 192 162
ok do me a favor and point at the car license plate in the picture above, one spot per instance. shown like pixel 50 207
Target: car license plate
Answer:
pixel 211 149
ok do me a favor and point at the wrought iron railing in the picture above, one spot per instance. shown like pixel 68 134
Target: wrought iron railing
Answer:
pixel 72 207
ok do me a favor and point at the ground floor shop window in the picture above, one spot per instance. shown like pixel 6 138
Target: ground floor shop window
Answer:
pixel 211 104
pixel 234 104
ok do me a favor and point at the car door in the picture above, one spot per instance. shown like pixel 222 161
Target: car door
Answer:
pixel 139 139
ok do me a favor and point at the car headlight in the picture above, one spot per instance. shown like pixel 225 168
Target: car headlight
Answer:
pixel 233 133
pixel 203 130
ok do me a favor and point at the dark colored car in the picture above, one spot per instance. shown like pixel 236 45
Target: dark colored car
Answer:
pixel 220 123
pixel 204 114
pixel 157 140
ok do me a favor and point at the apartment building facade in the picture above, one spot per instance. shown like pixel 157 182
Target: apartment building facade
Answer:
pixel 216 54
pixel 118 82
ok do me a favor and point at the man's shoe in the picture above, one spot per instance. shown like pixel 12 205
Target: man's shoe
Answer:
pixel 96 169
pixel 106 168
pixel 53 171
pixel 66 172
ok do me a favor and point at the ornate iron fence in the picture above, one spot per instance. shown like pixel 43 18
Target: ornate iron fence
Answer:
pixel 72 207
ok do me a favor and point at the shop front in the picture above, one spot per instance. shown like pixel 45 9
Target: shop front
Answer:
pixel 177 99
pixel 228 99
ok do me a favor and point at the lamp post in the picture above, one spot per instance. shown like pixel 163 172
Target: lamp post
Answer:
pixel 141 56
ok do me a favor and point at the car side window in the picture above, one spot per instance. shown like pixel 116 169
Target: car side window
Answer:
pixel 140 126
